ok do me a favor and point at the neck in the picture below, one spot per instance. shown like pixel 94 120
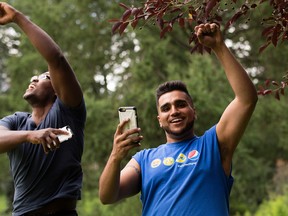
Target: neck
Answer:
pixel 39 113
pixel 174 138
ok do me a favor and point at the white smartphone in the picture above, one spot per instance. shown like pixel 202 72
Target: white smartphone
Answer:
pixel 65 137
pixel 129 112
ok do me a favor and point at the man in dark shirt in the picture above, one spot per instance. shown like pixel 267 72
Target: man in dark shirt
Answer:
pixel 46 166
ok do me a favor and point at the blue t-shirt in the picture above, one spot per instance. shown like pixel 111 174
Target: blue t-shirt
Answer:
pixel 40 178
pixel 184 178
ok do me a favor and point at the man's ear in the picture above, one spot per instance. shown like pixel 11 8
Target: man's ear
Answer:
pixel 159 121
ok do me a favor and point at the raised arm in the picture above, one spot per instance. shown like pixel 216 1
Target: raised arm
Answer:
pixel 115 184
pixel 237 114
pixel 63 78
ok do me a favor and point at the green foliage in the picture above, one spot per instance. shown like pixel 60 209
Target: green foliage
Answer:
pixel 92 206
pixel 4 209
pixel 2 204
pixel 274 207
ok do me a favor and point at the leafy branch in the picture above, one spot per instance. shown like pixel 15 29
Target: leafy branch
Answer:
pixel 274 88
pixel 188 13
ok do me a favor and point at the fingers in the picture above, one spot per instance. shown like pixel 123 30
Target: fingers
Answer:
pixel 209 35
pixel 124 141
pixel 45 148
pixel 120 127
pixel 129 136
pixel 48 138
pixel 206 29
pixel 7 13
pixel 50 143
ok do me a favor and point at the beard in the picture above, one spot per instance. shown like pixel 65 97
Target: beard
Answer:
pixel 184 132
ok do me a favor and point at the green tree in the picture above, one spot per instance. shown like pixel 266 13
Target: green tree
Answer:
pixel 274 207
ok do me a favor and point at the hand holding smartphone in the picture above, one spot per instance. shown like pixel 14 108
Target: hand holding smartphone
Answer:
pixel 129 112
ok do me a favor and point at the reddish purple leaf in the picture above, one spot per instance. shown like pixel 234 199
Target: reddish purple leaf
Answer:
pixel 267 91
pixel 233 19
pixel 274 38
pixel 209 7
pixel 116 26
pixel 126 15
pixel 168 28
pixel 123 27
pixel 263 47
pixel 277 95
pixel 192 38
pixel 135 11
pixel 275 83
pixel 267 31
pixel 134 23
pixel 285 35
pixel 124 6
pixel 207 49
pixel 200 49
pixel 194 48
pixel 181 22
pixel 160 22
pixel 113 20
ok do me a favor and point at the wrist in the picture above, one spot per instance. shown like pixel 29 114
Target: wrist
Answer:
pixel 219 48
pixel 17 17
pixel 114 158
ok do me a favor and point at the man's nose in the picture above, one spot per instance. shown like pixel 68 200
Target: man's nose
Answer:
pixel 174 110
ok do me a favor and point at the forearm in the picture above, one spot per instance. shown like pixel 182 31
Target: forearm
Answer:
pixel 11 139
pixel 236 75
pixel 110 181
pixel 38 37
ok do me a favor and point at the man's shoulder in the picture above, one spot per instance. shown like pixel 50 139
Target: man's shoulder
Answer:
pixel 19 114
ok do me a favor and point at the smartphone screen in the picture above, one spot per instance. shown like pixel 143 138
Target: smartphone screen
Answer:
pixel 129 112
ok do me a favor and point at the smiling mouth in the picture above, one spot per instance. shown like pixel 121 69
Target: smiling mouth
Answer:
pixel 176 120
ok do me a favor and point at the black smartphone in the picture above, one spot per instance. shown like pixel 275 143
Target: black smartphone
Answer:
pixel 129 112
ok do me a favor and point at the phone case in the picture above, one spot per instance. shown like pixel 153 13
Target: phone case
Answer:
pixel 129 112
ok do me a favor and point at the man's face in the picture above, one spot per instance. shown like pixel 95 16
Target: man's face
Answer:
pixel 40 87
pixel 176 115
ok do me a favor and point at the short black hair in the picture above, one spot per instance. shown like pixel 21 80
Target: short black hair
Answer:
pixel 171 86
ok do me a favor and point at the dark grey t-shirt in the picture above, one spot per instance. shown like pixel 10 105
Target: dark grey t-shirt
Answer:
pixel 40 178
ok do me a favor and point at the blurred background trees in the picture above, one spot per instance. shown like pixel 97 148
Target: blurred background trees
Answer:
pixel 116 70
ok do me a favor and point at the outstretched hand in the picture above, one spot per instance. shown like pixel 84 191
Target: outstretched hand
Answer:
pixel 7 13
pixel 209 35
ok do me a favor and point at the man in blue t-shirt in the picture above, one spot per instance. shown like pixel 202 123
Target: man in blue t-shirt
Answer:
pixel 45 159
pixel 188 175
